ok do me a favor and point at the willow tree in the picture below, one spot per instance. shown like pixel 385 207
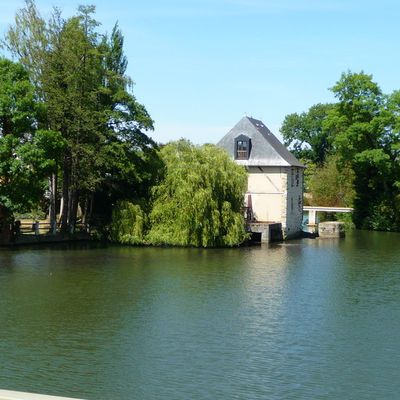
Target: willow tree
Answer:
pixel 199 201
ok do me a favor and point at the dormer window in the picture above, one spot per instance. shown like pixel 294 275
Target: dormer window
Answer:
pixel 242 147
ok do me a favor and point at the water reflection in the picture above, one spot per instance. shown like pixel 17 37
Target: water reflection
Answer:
pixel 305 319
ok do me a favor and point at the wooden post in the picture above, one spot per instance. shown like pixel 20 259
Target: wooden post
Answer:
pixel 37 227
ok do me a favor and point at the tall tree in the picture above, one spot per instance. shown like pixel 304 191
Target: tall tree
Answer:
pixel 367 138
pixel 27 156
pixel 360 134
pixel 80 75
pixel 131 163
pixel 306 135
pixel 18 186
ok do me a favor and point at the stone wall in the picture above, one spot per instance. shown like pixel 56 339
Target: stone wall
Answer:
pixel 294 201
pixel 277 196
pixel 266 187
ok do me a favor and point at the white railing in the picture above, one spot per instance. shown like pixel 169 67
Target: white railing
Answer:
pixel 328 209
pixel 312 212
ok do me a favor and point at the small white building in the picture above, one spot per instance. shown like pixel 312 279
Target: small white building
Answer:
pixel 275 180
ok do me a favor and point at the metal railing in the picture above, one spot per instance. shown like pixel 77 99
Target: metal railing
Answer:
pixel 242 155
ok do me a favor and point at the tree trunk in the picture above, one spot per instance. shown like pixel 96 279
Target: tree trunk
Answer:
pixel 73 210
pixel 85 206
pixel 65 198
pixel 89 217
pixel 53 200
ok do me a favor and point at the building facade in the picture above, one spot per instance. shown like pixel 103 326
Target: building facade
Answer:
pixel 275 177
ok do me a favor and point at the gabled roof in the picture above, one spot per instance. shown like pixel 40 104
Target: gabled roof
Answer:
pixel 266 149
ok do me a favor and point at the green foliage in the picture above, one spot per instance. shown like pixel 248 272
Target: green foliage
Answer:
pixel 200 200
pixel 79 76
pixel 34 214
pixel 128 223
pixel 332 184
pixel 362 131
pixel 347 219
pixel 381 217
pixel 17 100
pixel 21 186
pixel 309 172
pixel 26 155
pixel 305 134
pixel 367 139
pixel 360 99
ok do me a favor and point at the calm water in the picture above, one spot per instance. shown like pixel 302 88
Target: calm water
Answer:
pixel 311 319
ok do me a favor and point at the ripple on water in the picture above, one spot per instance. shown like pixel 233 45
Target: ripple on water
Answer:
pixel 309 319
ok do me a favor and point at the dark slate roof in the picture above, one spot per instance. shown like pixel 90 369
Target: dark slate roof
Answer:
pixel 266 149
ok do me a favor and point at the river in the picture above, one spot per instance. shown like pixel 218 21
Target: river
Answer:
pixel 307 319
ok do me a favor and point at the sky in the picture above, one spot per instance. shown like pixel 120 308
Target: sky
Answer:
pixel 199 66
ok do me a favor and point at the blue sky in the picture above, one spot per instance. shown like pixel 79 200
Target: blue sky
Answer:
pixel 201 65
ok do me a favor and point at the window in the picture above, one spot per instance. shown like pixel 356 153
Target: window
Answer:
pixel 242 148
pixel 242 152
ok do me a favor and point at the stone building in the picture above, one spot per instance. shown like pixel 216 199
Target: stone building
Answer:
pixel 275 177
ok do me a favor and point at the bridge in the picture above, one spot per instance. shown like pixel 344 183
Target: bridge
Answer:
pixel 312 212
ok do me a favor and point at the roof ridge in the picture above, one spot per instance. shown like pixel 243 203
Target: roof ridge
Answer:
pixel 260 154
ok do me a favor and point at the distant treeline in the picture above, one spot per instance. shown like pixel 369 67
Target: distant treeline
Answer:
pixel 352 151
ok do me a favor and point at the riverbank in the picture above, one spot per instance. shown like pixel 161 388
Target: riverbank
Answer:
pixel 23 240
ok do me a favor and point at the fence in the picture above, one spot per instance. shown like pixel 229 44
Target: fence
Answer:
pixel 36 228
